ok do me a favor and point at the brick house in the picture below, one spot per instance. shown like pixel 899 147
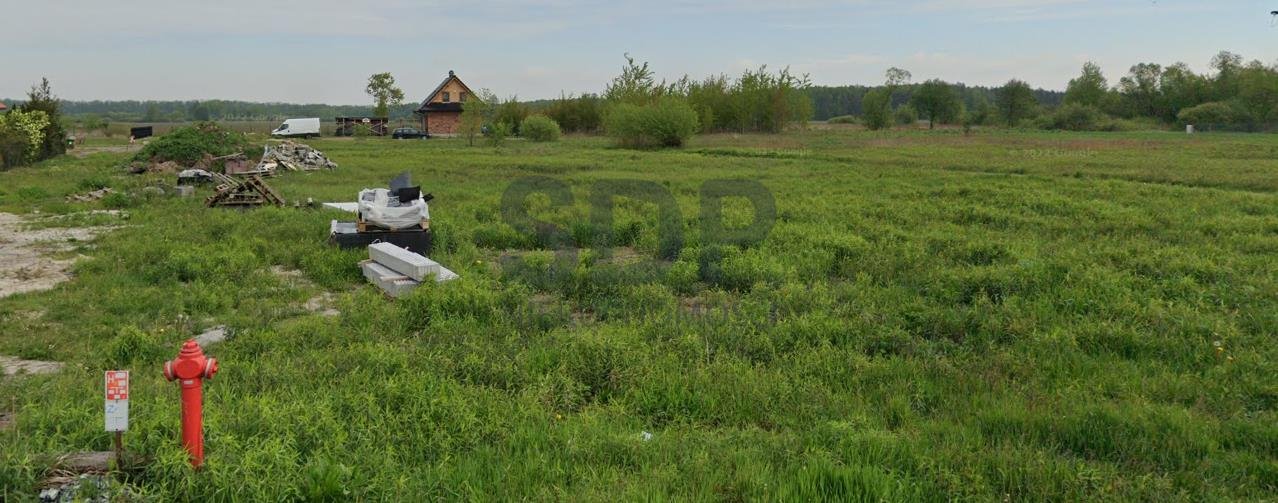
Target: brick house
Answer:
pixel 441 111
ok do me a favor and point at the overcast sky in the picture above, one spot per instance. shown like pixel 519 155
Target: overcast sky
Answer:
pixel 324 50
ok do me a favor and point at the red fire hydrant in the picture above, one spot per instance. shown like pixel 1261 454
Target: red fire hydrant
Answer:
pixel 191 368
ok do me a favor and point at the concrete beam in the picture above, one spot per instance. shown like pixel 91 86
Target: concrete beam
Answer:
pixel 403 261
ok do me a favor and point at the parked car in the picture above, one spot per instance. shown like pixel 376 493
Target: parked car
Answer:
pixel 409 132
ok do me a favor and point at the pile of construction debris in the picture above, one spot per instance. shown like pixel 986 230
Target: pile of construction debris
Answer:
pixel 293 156
pixel 92 195
pixel 398 271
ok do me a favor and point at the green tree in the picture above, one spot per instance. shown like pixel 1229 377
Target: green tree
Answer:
pixel 1140 89
pixel 937 101
pixel 40 98
pixel 636 85
pixel 1181 89
pixel 1258 92
pixel 1015 102
pixel 93 122
pixel 381 86
pixel 198 111
pixel 152 113
pixel 1227 65
pixel 897 77
pixel 980 112
pixel 877 108
pixel 1089 88
pixel 476 111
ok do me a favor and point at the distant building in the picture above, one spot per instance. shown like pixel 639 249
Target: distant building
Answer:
pixel 441 111
pixel 2 107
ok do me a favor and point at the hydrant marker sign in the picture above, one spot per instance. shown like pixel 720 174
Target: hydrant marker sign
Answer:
pixel 117 400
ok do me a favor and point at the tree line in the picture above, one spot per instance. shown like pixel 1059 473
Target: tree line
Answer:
pixel 215 110
pixel 829 102
pixel 1234 95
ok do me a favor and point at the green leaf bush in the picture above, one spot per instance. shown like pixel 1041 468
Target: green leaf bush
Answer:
pixel 665 123
pixel 188 144
pixel 540 128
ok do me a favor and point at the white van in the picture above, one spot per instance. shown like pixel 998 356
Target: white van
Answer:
pixel 305 128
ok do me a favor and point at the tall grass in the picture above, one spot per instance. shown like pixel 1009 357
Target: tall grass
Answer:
pixel 1024 316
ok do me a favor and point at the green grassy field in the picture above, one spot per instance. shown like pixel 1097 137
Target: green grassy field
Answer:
pixel 1018 316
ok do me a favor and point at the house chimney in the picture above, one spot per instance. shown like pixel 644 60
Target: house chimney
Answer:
pixel 450 73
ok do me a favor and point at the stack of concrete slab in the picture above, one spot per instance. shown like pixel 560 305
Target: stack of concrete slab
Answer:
pixel 398 271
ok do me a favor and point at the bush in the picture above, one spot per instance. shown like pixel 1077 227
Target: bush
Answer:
pixel 188 144
pixel 756 101
pixel 13 147
pixel 511 113
pixel 842 119
pixel 53 136
pixel 28 127
pixel 540 128
pixel 497 133
pixel 583 114
pixel 907 116
pixel 1075 117
pixel 666 123
pixel 877 106
pixel 1209 115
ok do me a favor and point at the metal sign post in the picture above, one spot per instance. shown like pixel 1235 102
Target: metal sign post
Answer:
pixel 117 409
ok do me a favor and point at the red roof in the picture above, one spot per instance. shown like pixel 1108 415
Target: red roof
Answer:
pixel 2 107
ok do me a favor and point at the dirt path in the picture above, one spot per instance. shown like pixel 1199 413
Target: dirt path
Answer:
pixel 83 152
pixel 26 262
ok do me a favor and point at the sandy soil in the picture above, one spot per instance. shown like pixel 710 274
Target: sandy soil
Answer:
pixel 17 366
pixel 26 262
pixel 83 151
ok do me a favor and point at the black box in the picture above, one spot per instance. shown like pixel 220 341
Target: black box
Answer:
pixel 346 235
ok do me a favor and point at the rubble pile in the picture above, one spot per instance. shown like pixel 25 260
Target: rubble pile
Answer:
pixel 92 195
pixel 293 156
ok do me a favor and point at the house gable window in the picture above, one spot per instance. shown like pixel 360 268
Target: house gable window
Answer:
pixel 446 97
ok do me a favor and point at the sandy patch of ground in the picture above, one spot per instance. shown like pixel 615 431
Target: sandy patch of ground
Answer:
pixel 16 366
pixel 322 303
pixel 26 262
pixel 83 151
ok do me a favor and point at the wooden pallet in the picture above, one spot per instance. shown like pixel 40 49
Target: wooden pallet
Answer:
pixel 362 225
pixel 250 191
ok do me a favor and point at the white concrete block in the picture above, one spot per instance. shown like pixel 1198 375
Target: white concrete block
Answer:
pixel 445 275
pixel 393 283
pixel 403 261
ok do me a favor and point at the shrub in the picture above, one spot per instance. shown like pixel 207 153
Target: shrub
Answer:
pixel 666 123
pixel 906 115
pixel 511 113
pixel 540 128
pixel 842 119
pixel 497 133
pixel 53 135
pixel 755 101
pixel 1075 117
pixel 13 147
pixel 28 127
pixel 1209 115
pixel 583 114
pixel 188 144
pixel 877 105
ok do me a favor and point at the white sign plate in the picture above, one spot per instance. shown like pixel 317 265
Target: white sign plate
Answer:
pixel 117 400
